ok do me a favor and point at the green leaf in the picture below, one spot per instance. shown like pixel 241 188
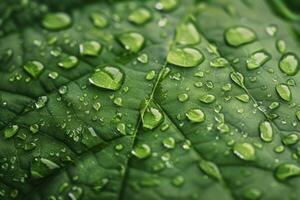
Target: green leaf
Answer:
pixel 156 99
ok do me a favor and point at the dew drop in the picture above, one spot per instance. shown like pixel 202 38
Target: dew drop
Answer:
pixel 56 21
pixel 219 63
pixel 140 16
pixel 68 62
pixel 186 57
pixel 34 68
pixel 151 115
pixel 132 41
pixel 195 115
pixel 289 64
pixel 284 92
pixel 108 78
pixel 244 151
pixel 98 20
pixel 266 131
pixel 169 142
pixel 285 171
pixel 239 35
pixel 257 59
pixel 187 34
pixel 11 131
pixel 211 169
pixel 89 48
pixel 141 151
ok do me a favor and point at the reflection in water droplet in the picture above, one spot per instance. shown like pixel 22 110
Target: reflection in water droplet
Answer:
pixel 239 35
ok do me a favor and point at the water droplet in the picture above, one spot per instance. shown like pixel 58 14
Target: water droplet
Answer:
pixel 53 75
pixel 109 78
pixel 186 57
pixel 121 127
pixel 11 131
pixel 141 151
pixel 244 151
pixel 187 34
pixel 56 21
pixel 257 59
pixel 63 89
pixel 195 115
pixel 34 128
pixel 68 62
pixel 243 97
pixel 183 97
pixel 98 20
pixel 290 139
pixel 151 115
pixel 223 128
pixel 132 41
pixel 118 101
pixel 271 30
pixel 207 98
pixel 90 48
pixel 150 75
pixel 252 194
pixel 143 58
pixel 119 147
pixel 178 181
pixel 238 78
pixel 140 16
pixel 211 169
pixel 289 64
pixel 169 142
pixel 285 171
pixel 34 68
pixel 281 46
pixel 166 5
pixel 284 92
pixel 298 115
pixel 97 106
pixel 239 35
pixel 266 131
pixel 219 62
pixel 41 102
pixel 274 105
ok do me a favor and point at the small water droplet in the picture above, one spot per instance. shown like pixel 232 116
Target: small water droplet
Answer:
pixel 178 181
pixel 11 131
pixel 211 169
pixel 187 34
pixel 89 48
pixel 281 46
pixel 219 62
pixel 108 78
pixel 244 151
pixel 239 35
pixel 186 57
pixel 284 92
pixel 169 142
pixel 285 171
pixel 257 59
pixel 143 58
pixel 68 62
pixel 207 98
pixel 266 131
pixel 289 64
pixel 183 97
pixel 151 115
pixel 166 5
pixel 34 68
pixel 140 16
pixel 195 115
pixel 141 151
pixel 252 194
pixel 56 21
pixel 243 98
pixel 41 102
pixel 132 41
pixel 238 78
pixel 271 30
pixel 150 75
pixel 98 20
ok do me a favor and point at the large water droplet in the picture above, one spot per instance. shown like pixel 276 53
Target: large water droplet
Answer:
pixel 289 64
pixel 167 5
pixel 284 171
pixel 169 142
pixel 207 98
pixel 56 21
pixel 186 57
pixel 151 115
pixel 34 68
pixel 11 131
pixel 141 151
pixel 239 35
pixel 140 16
pixel 266 131
pixel 211 169
pixel 284 92
pixel 195 115
pixel 68 62
pixel 90 48
pixel 132 41
pixel 257 59
pixel 98 20
pixel 109 78
pixel 187 34
pixel 244 151
pixel 290 139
